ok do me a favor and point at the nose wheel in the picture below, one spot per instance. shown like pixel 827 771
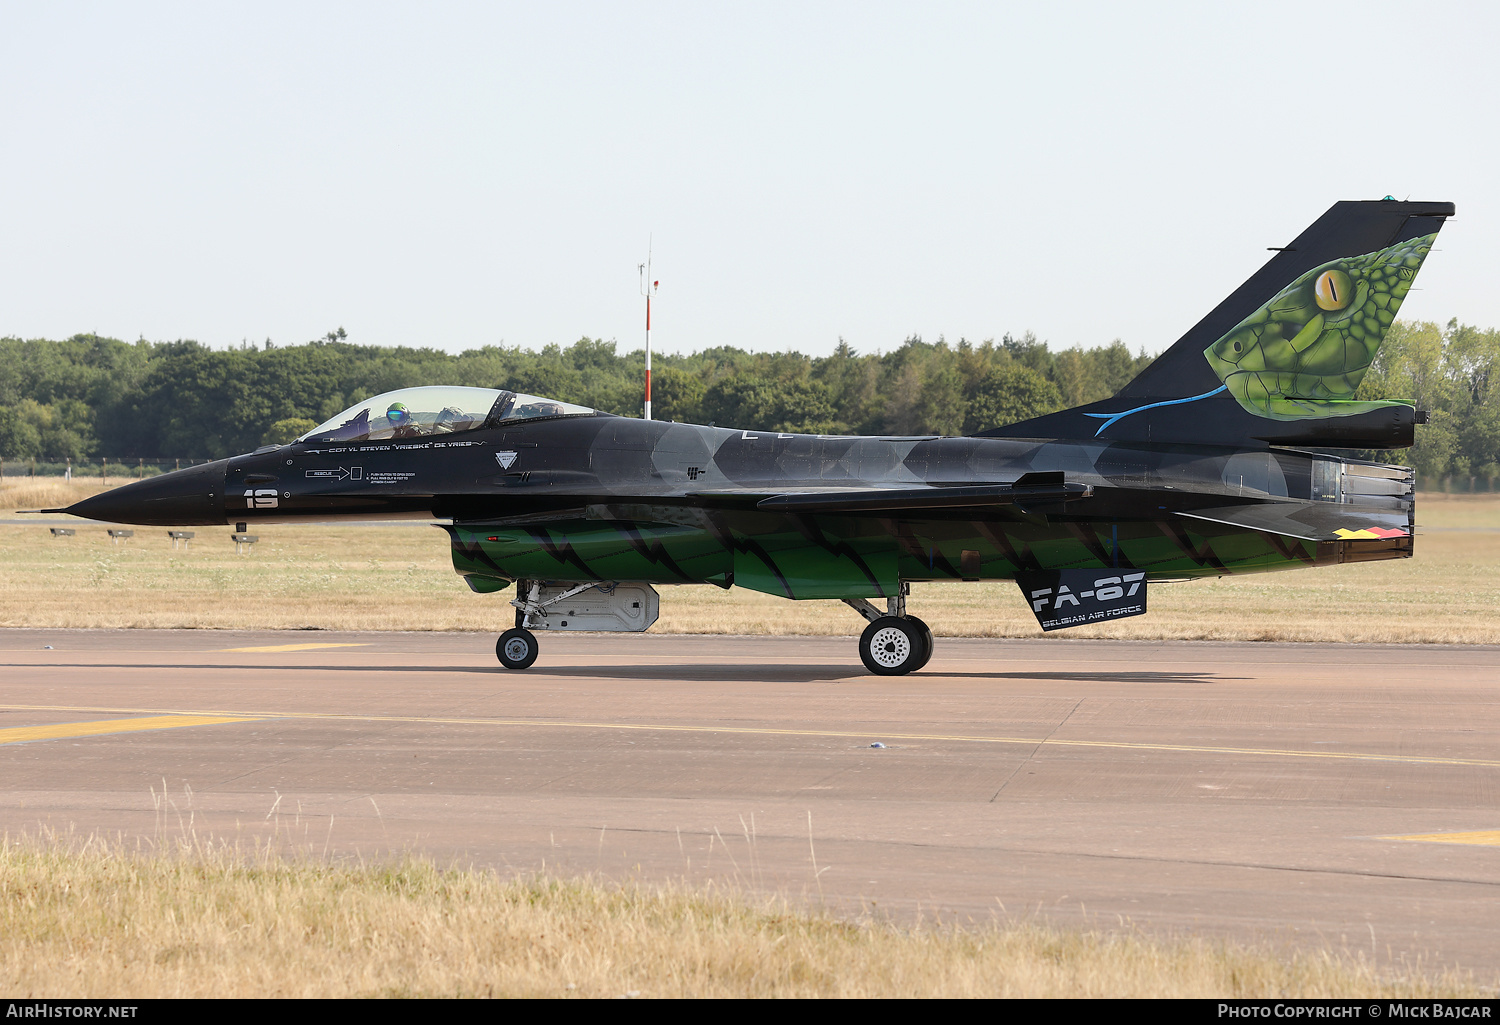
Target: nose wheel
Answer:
pixel 516 649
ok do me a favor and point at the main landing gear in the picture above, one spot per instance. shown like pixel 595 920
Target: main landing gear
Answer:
pixel 894 643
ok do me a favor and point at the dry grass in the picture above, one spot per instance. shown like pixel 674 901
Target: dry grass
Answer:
pixel 199 920
pixel 45 492
pixel 399 576
pixel 1439 509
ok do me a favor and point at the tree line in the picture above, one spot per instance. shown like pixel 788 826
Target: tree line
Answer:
pixel 89 398
pixel 1451 371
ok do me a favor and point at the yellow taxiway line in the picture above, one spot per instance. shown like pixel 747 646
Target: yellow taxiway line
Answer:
pixel 1118 745
pixel 1483 837
pixel 63 730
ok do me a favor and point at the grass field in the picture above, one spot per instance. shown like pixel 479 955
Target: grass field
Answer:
pixel 399 576
pixel 195 920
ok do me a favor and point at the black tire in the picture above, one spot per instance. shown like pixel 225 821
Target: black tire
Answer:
pixel 925 632
pixel 516 649
pixel 891 646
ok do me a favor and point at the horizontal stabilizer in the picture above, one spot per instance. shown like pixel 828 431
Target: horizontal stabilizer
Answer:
pixel 896 499
pixel 1311 521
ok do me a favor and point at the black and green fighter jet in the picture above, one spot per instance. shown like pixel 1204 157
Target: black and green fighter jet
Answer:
pixel 1207 463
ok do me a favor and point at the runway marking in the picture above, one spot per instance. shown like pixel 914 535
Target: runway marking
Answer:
pixel 297 647
pixel 58 731
pixel 1118 745
pixel 1483 837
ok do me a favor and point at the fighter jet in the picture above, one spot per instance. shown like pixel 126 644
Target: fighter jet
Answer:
pixel 1212 461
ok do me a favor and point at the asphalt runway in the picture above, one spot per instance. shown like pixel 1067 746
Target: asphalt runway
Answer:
pixel 1291 794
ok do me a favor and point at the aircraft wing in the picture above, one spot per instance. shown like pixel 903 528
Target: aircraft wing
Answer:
pixel 1310 521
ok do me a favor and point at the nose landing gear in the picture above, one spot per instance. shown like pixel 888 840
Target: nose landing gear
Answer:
pixel 516 649
pixel 606 606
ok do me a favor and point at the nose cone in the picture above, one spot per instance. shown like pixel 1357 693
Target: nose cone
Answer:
pixel 193 497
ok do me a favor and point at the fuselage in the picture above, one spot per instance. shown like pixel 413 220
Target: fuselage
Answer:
pixel 601 497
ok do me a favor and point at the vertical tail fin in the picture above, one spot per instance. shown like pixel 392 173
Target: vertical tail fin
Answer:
pixel 1279 360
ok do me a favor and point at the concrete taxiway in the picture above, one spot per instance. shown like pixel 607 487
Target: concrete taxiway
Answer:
pixel 1309 794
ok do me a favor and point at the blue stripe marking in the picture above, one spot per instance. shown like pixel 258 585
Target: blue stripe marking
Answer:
pixel 1110 418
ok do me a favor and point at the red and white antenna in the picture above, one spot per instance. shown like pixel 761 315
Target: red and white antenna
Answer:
pixel 648 289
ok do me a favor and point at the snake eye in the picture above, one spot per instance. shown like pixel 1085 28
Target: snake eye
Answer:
pixel 1236 346
pixel 1333 290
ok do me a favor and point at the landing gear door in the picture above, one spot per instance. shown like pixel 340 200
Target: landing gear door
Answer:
pixel 606 607
pixel 1062 598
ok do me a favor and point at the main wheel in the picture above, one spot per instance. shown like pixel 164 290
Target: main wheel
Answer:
pixel 516 649
pixel 891 646
pixel 926 633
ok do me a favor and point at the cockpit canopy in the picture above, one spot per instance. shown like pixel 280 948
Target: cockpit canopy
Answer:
pixel 421 412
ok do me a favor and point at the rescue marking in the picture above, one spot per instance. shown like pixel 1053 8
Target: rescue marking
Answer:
pixel 337 473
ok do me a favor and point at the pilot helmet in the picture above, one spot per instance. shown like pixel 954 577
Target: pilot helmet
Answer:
pixel 398 414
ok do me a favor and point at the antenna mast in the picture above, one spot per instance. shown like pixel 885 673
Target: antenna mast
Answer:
pixel 648 289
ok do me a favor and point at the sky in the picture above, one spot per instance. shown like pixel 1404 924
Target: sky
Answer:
pixel 456 175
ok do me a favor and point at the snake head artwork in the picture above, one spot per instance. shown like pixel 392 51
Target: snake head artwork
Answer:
pixel 1305 351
